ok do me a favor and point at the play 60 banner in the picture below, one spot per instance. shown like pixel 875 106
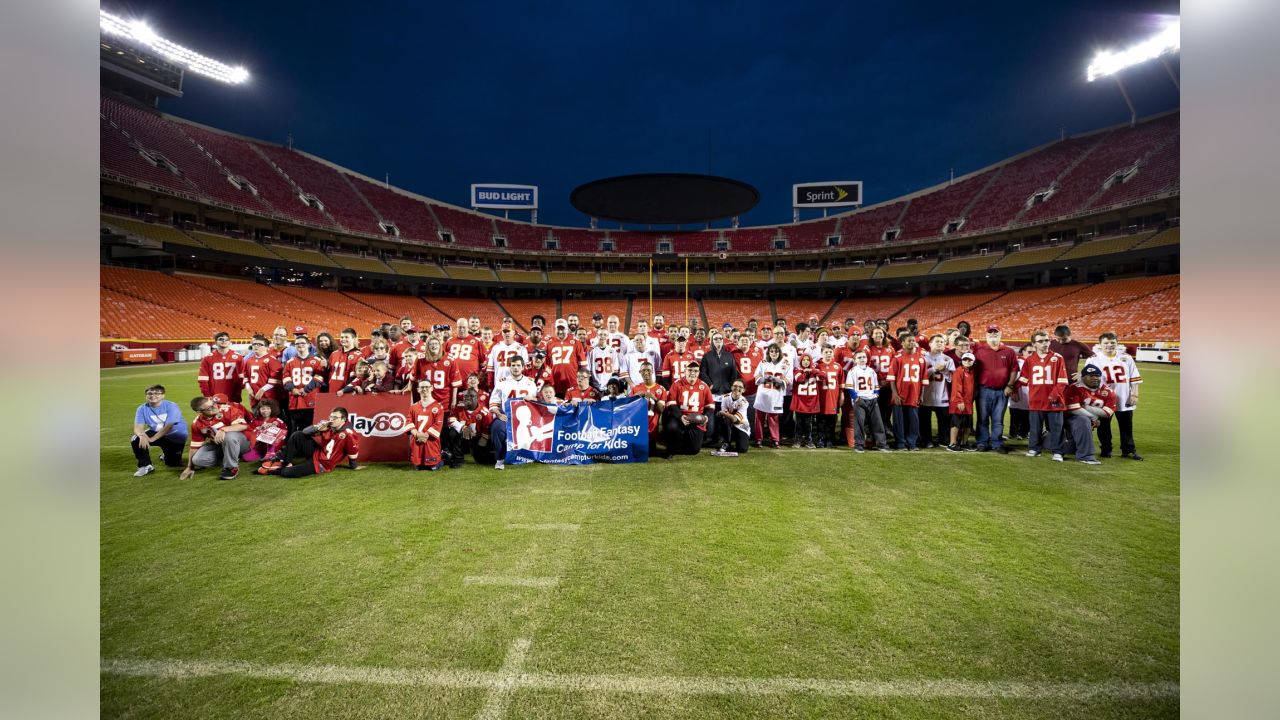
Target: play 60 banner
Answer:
pixel 613 431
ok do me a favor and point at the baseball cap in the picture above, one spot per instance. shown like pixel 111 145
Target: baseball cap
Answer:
pixel 682 337
pixel 539 353
pixel 597 316
pixel 222 399
pixel 411 329
pixel 835 326
pixel 726 326
pixel 1091 370
pixel 993 328
pixel 299 330
pixel 855 329
pixel 693 364
pixel 968 356
pixel 561 322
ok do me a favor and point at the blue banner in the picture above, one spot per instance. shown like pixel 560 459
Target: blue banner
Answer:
pixel 612 431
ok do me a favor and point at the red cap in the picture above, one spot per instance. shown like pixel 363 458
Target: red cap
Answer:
pixel 855 329
pixel 993 328
pixel 221 399
pixel 299 330
pixel 411 328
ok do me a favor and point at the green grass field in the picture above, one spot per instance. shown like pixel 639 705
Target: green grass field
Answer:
pixel 785 583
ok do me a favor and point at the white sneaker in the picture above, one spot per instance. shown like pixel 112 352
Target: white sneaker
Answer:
pixel 1057 457
pixel 145 470
pixel 498 465
pixel 1033 453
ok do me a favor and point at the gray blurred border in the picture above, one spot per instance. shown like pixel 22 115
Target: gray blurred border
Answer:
pixel 1230 255
pixel 1231 495
pixel 49 496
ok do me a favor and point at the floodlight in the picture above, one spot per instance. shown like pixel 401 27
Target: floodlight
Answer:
pixel 144 35
pixel 1107 62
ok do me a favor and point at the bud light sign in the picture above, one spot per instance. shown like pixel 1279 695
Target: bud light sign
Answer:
pixel 504 197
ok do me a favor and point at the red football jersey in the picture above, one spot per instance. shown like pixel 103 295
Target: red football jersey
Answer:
pixel 425 417
pixel 270 430
pixel 879 358
pixel 443 376
pixel 406 374
pixel 580 395
pixel 660 395
pixel 564 357
pixel 205 428
pixel 804 391
pixel 1077 396
pixel 262 371
pixel 342 367
pixel 467 354
pixel 909 374
pixel 692 397
pixel 674 364
pixel 220 373
pixel 1046 379
pixel 397 352
pixel 747 360
pixel 334 446
pixel 481 416
pixel 829 387
pixel 962 382
pixel 303 375
pixel 541 376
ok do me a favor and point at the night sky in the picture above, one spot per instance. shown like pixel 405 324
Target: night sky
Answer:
pixel 555 95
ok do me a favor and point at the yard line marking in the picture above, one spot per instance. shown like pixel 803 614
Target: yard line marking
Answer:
pixel 567 527
pixel 324 674
pixel 495 704
pixel 555 491
pixel 509 679
pixel 532 582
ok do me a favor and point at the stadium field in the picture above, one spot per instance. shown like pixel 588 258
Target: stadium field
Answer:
pixel 781 584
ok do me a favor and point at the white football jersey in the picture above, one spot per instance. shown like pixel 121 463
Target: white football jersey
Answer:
pixel 1120 373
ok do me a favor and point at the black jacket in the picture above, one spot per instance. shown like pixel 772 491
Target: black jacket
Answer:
pixel 718 370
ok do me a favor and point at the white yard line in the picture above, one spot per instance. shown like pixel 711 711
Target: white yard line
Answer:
pixel 495 705
pixel 558 491
pixel 505 682
pixel 566 527
pixel 511 581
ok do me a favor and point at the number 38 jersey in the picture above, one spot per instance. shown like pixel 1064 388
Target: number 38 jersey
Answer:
pixel 1120 372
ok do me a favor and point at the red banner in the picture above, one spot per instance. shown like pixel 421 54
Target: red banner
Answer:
pixel 380 421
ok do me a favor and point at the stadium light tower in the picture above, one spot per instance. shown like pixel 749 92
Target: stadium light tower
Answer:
pixel 1110 63
pixel 142 35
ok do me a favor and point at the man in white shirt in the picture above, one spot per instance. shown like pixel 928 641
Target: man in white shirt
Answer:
pixel 935 398
pixel 864 385
pixel 602 361
pixel 1120 372
pixel 517 387
pixel 501 352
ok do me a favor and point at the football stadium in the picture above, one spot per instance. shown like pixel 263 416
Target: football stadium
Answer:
pixel 688 445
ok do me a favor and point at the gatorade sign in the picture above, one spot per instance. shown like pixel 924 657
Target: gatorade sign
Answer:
pixel 504 197
pixel 836 193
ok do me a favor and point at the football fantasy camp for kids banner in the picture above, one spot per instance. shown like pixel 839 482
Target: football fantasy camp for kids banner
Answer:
pixel 613 431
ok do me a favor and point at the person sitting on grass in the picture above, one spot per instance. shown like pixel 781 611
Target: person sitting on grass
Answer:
pixel 158 422
pixel 318 448
pixel 217 437
pixel 267 432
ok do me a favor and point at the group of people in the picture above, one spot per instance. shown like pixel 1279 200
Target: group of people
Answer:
pixel 730 389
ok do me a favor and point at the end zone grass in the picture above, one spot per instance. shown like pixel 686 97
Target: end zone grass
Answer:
pixel 1001 586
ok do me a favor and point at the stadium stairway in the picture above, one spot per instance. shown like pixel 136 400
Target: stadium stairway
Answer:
pixel 702 313
pixel 773 311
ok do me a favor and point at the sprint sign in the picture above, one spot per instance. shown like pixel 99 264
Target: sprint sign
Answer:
pixel 380 421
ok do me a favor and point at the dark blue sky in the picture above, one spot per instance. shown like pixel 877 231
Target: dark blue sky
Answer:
pixel 551 94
